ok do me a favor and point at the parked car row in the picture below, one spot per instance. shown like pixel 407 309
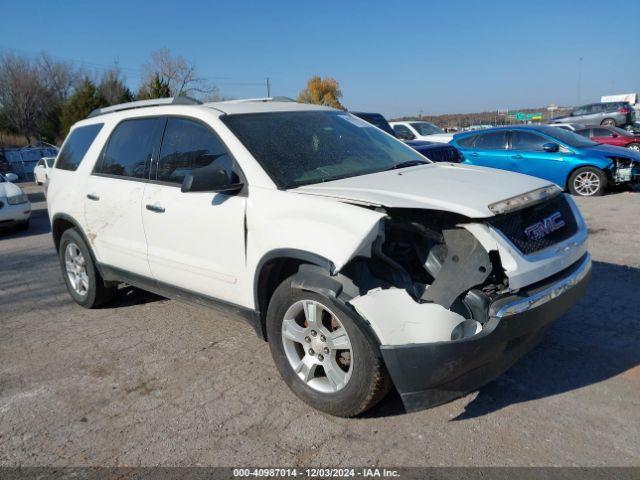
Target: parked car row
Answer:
pixel 611 114
pixel 15 208
pixel 570 160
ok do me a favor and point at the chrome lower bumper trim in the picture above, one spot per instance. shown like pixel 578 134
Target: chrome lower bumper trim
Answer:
pixel 547 294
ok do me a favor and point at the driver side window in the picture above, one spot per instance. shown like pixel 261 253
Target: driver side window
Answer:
pixel 188 146
pixel 527 141
pixel 403 132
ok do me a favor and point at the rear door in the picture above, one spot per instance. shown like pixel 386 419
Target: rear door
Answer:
pixel 529 157
pixel 490 150
pixel 196 240
pixel 114 191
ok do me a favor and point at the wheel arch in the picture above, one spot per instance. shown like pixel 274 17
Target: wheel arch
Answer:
pixel 584 165
pixel 274 267
pixel 62 222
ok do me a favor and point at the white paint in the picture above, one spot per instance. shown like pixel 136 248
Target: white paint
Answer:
pixel 397 319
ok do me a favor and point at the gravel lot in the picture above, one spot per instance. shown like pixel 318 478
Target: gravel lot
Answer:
pixel 149 381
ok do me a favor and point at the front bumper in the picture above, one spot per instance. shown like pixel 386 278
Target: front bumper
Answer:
pixel 11 215
pixel 430 374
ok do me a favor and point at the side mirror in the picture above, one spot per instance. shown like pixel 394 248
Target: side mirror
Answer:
pixel 210 181
pixel 550 147
pixel 614 135
pixel 11 177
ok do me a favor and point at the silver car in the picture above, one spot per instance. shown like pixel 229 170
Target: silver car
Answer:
pixel 613 114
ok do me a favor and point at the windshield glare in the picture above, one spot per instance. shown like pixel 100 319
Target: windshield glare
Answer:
pixel 300 148
pixel 567 137
pixel 426 128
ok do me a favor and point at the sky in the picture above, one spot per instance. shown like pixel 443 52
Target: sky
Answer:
pixel 397 58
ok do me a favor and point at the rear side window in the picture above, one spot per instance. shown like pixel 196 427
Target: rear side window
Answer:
pixel 492 140
pixel 601 132
pixel 76 146
pixel 467 141
pixel 585 132
pixel 187 146
pixel 131 148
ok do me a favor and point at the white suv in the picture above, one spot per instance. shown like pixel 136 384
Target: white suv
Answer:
pixel 362 263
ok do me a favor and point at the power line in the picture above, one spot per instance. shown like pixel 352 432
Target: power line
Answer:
pixel 233 81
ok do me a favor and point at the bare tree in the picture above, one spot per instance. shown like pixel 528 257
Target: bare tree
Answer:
pixel 61 77
pixel 180 74
pixel 24 96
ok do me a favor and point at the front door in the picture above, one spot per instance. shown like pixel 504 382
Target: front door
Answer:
pixel 114 191
pixel 529 157
pixel 196 240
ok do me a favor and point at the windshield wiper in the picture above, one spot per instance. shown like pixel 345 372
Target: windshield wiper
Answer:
pixel 409 163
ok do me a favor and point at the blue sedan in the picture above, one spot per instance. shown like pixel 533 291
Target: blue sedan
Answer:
pixel 570 160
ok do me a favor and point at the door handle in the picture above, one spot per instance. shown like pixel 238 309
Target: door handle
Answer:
pixel 474 154
pixel 517 157
pixel 93 196
pixel 156 207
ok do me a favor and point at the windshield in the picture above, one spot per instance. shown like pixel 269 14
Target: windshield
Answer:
pixel 300 148
pixel 567 137
pixel 426 128
pixel 621 131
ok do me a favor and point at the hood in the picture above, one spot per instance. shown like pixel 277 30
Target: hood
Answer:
pixel 9 190
pixel 439 137
pixel 607 150
pixel 464 189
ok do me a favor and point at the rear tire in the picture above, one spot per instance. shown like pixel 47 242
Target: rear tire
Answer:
pixel 634 146
pixel 83 281
pixel 361 384
pixel 608 122
pixel 587 182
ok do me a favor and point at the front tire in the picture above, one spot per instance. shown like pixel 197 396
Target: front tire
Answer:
pixel 83 281
pixel 587 182
pixel 322 354
pixel 634 146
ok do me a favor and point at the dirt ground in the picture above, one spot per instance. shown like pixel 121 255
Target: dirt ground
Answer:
pixel 149 381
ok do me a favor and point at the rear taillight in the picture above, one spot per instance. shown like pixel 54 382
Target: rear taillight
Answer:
pixel 623 110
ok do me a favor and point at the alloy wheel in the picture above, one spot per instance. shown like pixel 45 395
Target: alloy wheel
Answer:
pixel 586 183
pixel 317 346
pixel 76 268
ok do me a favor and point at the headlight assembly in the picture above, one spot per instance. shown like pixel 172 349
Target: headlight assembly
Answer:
pixel 18 199
pixel 529 198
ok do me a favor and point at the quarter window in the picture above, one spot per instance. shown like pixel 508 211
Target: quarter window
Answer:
pixel 467 141
pixel 76 146
pixel 188 146
pixel 527 141
pixel 131 148
pixel 492 140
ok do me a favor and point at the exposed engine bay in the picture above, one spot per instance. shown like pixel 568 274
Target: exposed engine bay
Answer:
pixel 427 279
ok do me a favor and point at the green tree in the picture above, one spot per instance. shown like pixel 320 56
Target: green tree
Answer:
pixel 113 89
pixel 156 87
pixel 322 91
pixel 85 99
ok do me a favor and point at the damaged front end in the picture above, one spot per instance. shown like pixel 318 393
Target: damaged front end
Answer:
pixel 623 170
pixel 441 306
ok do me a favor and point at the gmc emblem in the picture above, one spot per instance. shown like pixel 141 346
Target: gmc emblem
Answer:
pixel 544 227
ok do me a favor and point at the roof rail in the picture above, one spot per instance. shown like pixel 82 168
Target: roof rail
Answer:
pixel 262 99
pixel 180 100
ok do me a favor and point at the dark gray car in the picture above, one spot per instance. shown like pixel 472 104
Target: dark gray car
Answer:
pixel 614 114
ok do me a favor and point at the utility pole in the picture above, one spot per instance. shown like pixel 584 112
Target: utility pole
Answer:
pixel 579 80
pixel 268 87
